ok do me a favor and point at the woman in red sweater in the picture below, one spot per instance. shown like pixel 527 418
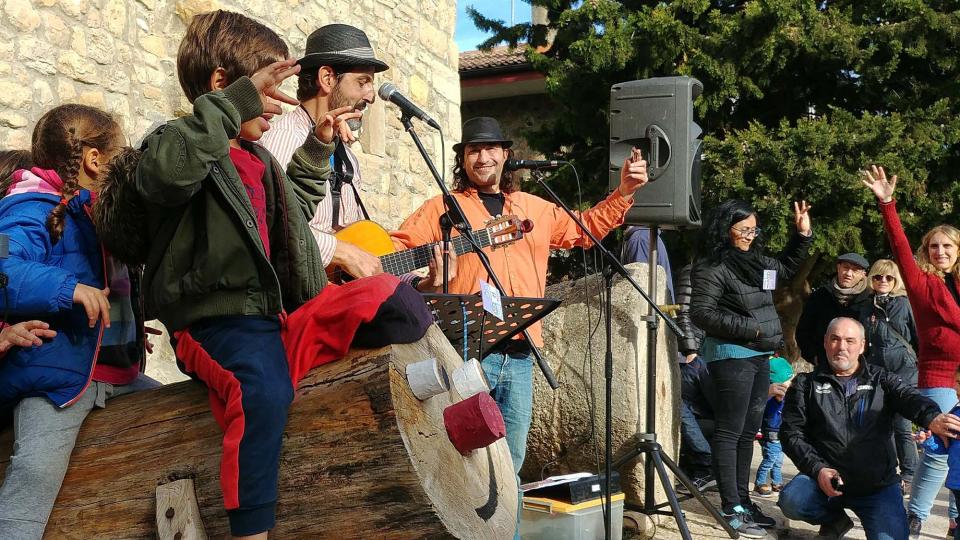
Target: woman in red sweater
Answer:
pixel 931 282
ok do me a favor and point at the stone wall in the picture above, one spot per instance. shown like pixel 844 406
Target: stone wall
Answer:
pixel 120 55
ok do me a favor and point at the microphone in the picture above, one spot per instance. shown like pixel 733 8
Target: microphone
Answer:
pixel 389 92
pixel 532 164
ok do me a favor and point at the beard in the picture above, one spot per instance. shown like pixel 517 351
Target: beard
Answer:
pixel 338 99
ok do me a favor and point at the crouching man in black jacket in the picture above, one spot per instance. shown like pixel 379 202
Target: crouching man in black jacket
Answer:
pixel 837 428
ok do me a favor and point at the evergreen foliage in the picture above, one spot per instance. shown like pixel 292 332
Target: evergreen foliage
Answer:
pixel 798 97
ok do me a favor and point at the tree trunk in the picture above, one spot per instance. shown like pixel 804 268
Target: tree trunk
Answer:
pixel 362 458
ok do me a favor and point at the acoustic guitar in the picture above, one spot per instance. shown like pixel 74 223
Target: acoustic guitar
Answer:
pixel 375 240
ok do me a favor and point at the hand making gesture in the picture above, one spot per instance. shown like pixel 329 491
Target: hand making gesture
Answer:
pixel 267 81
pixel 875 178
pixel 801 217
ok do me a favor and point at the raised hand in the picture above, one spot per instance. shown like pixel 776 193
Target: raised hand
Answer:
pixel 94 302
pixel 633 174
pixel 268 79
pixel 25 334
pixel 335 123
pixel 875 178
pixel 801 217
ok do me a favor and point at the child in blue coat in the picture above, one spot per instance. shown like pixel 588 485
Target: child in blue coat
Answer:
pixel 57 272
pixel 780 374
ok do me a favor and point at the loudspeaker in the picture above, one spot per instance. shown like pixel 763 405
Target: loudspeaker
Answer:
pixel 656 116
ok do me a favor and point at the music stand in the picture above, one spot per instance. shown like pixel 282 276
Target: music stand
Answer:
pixel 469 327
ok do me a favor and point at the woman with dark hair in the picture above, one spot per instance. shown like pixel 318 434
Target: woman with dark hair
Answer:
pixel 733 285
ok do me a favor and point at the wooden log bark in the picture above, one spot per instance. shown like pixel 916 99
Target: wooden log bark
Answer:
pixel 362 458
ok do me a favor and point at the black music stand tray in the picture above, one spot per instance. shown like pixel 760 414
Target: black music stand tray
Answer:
pixel 456 312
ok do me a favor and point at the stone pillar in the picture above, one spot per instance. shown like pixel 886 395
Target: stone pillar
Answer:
pixel 567 432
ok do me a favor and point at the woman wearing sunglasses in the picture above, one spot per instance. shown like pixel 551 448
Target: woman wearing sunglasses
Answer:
pixel 931 283
pixel 892 344
pixel 732 301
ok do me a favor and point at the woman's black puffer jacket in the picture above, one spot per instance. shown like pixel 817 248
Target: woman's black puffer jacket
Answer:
pixel 692 335
pixel 732 311
pixel 884 317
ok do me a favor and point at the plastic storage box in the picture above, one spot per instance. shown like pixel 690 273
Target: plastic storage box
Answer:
pixel 547 519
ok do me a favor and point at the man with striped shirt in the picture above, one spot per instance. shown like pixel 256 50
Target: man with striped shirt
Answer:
pixel 337 70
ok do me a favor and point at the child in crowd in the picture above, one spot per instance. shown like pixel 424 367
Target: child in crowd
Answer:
pixel 230 249
pixel 781 372
pixel 57 270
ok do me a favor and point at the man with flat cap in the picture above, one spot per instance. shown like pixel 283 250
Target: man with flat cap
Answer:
pixel 338 68
pixel 845 295
pixel 485 190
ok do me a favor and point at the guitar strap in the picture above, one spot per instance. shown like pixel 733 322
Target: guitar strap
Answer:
pixel 343 173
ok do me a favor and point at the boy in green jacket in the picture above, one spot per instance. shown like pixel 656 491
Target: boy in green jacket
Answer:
pixel 230 249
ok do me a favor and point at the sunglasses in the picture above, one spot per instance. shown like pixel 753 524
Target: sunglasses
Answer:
pixel 879 277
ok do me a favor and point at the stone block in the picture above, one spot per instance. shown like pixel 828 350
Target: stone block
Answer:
pixel 14 95
pixel 37 55
pixel 186 9
pixel 11 119
pixel 42 94
pixel 115 16
pixel 78 41
pixel 73 8
pixel 76 67
pixel 92 98
pixel 65 90
pixel 22 15
pixel 100 47
pixel 568 424
pixel 55 31
pixel 419 91
pixel 154 44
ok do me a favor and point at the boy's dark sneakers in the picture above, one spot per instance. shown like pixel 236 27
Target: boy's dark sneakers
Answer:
pixel 741 522
pixel 914 524
pixel 837 529
pixel 759 517
pixel 703 483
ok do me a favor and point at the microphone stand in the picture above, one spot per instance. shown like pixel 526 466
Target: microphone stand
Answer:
pixel 457 219
pixel 648 441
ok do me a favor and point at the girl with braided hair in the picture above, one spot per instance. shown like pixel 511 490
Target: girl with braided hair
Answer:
pixel 57 271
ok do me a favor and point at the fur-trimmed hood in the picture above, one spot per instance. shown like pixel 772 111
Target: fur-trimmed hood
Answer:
pixel 119 214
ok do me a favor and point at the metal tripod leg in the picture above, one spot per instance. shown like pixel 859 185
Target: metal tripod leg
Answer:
pixel 654 452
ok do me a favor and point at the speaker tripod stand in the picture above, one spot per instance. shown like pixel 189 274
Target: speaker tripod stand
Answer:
pixel 655 463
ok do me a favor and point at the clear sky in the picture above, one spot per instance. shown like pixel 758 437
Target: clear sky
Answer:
pixel 468 36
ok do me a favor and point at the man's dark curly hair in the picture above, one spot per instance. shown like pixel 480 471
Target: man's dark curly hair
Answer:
pixel 461 182
pixel 715 236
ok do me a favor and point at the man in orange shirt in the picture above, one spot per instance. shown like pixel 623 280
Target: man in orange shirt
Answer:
pixel 485 190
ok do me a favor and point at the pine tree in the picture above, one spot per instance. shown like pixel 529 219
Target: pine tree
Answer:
pixel 799 96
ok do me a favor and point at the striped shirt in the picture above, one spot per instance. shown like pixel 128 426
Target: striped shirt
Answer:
pixel 282 140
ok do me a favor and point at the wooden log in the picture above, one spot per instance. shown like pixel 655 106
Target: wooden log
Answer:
pixel 362 458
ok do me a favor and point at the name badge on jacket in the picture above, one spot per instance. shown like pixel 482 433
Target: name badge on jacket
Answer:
pixel 769 280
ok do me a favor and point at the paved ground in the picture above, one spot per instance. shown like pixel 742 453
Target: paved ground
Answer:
pixel 702 525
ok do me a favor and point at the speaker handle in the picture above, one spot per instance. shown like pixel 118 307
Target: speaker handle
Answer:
pixel 657 163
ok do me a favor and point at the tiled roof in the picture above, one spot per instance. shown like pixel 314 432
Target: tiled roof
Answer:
pixel 496 58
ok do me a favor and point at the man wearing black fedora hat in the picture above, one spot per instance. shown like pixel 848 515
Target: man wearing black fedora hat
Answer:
pixel 484 190
pixel 338 69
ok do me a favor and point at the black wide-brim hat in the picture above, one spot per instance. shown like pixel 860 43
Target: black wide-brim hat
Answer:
pixel 340 45
pixel 482 129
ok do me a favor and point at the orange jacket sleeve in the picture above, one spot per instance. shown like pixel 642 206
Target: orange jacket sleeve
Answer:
pixel 600 220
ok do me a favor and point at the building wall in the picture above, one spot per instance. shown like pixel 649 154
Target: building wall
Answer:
pixel 120 55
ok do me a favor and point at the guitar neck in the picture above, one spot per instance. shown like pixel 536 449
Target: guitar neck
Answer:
pixel 403 262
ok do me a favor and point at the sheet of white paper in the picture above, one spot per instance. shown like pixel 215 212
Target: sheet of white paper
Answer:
pixel 491 300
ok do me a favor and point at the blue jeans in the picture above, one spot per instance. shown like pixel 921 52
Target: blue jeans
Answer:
pixel 771 464
pixel 695 452
pixel 932 470
pixel 511 385
pixel 880 513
